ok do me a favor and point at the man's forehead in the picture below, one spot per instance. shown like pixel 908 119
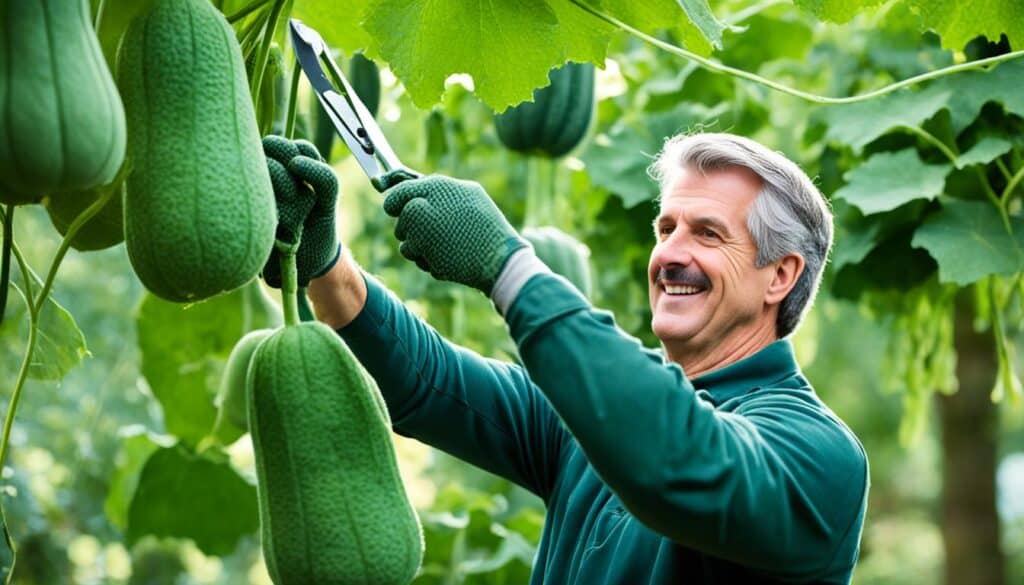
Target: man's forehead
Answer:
pixel 732 189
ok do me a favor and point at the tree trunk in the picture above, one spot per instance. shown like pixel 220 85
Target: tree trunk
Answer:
pixel 970 526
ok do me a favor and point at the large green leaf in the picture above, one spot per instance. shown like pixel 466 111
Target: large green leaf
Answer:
pixel 890 179
pixel 507 47
pixel 60 345
pixel 183 353
pixel 985 151
pixel 957 22
pixel 337 22
pixel 184 495
pixel 969 241
pixel 137 444
pixel 704 20
pixel 971 90
pixel 858 124
pixel 836 10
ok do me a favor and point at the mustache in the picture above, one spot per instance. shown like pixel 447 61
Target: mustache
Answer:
pixel 685 275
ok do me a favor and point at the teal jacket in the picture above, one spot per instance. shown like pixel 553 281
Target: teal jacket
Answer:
pixel 739 476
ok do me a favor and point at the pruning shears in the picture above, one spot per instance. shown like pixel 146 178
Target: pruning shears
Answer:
pixel 351 119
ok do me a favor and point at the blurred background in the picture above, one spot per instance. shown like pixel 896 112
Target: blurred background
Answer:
pixel 887 345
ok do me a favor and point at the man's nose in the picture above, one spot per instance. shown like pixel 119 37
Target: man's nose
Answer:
pixel 677 248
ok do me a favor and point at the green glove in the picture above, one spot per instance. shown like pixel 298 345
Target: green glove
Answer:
pixel 306 192
pixel 452 229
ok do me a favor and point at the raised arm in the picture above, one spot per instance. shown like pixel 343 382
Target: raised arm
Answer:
pixel 481 410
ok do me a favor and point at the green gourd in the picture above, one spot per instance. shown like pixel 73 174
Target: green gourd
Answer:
pixel 62 124
pixel 103 230
pixel 558 118
pixel 563 254
pixel 364 77
pixel 231 402
pixel 333 509
pixel 199 212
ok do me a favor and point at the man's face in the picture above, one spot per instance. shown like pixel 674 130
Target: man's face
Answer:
pixel 704 286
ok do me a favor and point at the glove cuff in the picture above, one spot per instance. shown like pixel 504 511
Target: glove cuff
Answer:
pixel 327 265
pixel 522 265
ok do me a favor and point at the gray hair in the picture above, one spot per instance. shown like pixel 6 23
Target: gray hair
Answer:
pixel 789 215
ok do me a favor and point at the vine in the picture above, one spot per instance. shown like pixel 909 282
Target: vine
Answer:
pixel 715 67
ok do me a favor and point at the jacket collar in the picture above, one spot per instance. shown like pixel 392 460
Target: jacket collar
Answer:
pixel 772 364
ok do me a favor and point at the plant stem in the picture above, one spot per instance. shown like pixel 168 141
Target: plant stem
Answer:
pixel 1003 169
pixel 26 274
pixel 289 282
pixel 818 99
pixel 293 94
pixel 1011 185
pixel 264 50
pixel 5 257
pixel 35 308
pixel 98 21
pixel 247 10
pixel 930 139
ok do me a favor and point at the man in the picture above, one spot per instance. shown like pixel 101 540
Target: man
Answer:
pixel 716 463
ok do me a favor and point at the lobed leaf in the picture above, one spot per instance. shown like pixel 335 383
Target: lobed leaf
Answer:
pixel 969 241
pixel 60 344
pixel 887 180
pixel 184 495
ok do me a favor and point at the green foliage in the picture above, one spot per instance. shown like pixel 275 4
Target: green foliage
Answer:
pixel 969 241
pixel 184 350
pixel 888 180
pixel 61 345
pixel 185 495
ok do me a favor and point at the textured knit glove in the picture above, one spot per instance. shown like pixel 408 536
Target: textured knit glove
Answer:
pixel 452 229
pixel 306 192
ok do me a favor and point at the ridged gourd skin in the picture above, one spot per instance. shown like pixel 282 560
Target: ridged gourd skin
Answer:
pixel 333 509
pixel 558 118
pixel 199 211
pixel 563 254
pixel 364 77
pixel 62 123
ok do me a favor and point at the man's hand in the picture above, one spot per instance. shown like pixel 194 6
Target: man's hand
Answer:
pixel 452 229
pixel 306 192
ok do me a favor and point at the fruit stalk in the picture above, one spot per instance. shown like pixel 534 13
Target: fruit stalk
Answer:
pixel 289 282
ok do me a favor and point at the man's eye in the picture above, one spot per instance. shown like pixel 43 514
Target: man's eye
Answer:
pixel 709 234
pixel 665 230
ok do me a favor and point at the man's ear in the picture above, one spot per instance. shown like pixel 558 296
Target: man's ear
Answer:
pixel 786 272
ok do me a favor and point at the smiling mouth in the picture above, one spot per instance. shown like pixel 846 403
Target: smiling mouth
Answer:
pixel 682 290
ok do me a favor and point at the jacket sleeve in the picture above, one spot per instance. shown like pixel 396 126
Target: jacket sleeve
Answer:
pixel 775 486
pixel 481 410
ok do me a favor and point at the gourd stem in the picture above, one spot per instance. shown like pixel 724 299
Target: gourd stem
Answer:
pixel 293 94
pixel 818 99
pixel 289 281
pixel 264 49
pixel 35 308
pixel 5 257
